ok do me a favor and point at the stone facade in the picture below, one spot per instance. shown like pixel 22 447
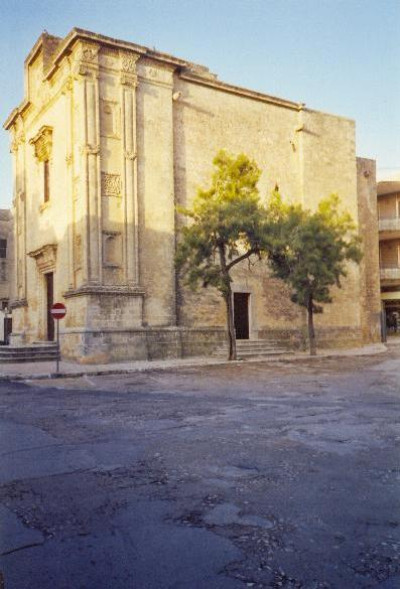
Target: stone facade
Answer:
pixel 110 137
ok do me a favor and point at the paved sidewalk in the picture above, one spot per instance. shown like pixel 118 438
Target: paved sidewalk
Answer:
pixel 40 370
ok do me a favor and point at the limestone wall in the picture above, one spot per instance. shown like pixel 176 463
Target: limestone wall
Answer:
pixel 369 268
pixel 156 193
pixel 309 154
pixel 125 134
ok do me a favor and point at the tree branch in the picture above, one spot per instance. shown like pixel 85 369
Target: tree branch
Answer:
pixel 243 257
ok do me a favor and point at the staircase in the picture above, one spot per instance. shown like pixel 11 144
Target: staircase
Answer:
pixel 40 352
pixel 254 349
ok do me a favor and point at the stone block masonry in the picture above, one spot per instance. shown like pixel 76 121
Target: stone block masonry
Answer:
pixel 109 138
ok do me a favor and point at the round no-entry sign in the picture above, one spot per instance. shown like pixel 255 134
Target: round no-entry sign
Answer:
pixel 58 310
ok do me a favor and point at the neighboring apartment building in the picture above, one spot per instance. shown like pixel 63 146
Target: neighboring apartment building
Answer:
pixel 109 138
pixel 6 272
pixel 389 251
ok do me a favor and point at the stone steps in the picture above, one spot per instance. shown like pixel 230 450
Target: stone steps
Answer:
pixel 254 349
pixel 42 352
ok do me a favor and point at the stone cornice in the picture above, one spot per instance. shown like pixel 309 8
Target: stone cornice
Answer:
pixel 45 256
pixel 18 303
pixel 43 250
pixel 19 110
pixel 190 71
pixel 43 143
pixel 186 70
pixel 239 90
pixel 99 290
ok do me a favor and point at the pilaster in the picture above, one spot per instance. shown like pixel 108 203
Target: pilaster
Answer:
pixel 128 81
pixel 69 160
pixel 88 71
pixel 18 148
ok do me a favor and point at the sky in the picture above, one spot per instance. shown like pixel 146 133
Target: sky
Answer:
pixel 337 56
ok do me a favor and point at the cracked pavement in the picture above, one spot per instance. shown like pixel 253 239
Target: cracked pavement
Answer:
pixel 278 474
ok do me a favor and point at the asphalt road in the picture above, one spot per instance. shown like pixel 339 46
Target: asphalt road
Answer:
pixel 252 475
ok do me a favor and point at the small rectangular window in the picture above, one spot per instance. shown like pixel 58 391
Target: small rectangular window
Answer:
pixel 3 270
pixel 3 248
pixel 46 180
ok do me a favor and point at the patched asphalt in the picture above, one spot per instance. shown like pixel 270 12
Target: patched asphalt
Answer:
pixel 262 474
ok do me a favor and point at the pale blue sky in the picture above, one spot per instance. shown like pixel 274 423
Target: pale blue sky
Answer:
pixel 338 56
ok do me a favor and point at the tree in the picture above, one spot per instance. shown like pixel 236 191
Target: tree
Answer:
pixel 310 251
pixel 224 231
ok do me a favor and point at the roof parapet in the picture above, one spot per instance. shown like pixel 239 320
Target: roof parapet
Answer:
pixel 55 48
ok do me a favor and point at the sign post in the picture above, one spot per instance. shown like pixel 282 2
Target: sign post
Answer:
pixel 58 311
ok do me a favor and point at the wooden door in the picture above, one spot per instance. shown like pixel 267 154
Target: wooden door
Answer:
pixel 241 314
pixel 7 329
pixel 50 300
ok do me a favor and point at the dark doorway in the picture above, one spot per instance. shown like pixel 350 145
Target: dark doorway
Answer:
pixel 241 314
pixel 7 330
pixel 50 300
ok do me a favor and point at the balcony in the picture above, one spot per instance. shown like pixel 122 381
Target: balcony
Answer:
pixel 390 273
pixel 392 224
pixel 389 228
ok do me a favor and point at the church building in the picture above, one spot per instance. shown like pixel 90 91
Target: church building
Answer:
pixel 111 136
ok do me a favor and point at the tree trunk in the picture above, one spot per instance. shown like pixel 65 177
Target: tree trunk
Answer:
pixel 232 355
pixel 311 332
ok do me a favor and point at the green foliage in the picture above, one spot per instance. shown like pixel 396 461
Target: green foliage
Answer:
pixel 310 251
pixel 225 224
pixel 225 229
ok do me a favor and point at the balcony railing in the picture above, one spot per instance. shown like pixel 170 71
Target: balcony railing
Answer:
pixel 390 273
pixel 389 224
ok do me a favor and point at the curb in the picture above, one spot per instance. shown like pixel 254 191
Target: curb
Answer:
pixel 377 349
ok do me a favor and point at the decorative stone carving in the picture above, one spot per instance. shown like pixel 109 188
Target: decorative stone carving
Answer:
pixel 43 143
pixel 130 155
pixel 93 149
pixel 87 62
pixel 18 139
pixel 128 68
pixel 83 70
pixel 88 52
pixel 129 80
pixel 45 257
pixel 128 62
pixel 21 137
pixel 110 184
pixel 68 85
pixel 153 72
pixel 87 149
